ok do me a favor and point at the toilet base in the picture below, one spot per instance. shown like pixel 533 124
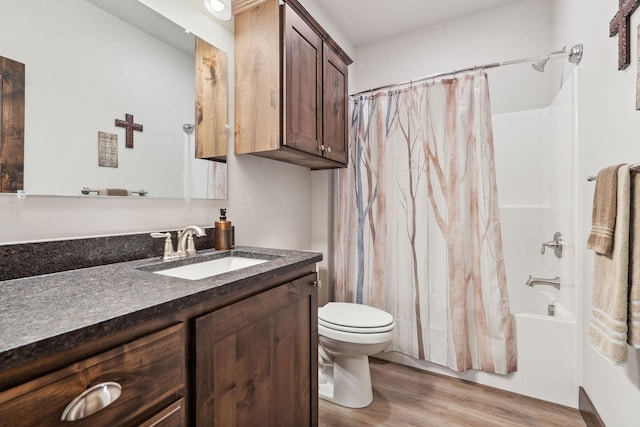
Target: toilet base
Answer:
pixel 346 382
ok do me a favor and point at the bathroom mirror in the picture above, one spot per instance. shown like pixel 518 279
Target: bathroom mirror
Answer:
pixel 87 68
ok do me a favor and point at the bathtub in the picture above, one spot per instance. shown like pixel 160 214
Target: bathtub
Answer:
pixel 546 358
pixel 546 348
pixel 546 339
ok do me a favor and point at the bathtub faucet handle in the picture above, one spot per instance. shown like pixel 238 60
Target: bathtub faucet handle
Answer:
pixel 556 244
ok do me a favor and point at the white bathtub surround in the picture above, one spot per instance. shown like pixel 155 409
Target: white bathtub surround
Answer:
pixel 608 323
pixel 418 224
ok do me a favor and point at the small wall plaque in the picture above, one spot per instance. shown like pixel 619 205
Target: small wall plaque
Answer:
pixel 107 150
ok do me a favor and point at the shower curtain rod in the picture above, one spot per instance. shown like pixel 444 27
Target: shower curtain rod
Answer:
pixel 575 55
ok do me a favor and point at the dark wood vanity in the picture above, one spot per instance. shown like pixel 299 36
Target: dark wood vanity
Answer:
pixel 226 350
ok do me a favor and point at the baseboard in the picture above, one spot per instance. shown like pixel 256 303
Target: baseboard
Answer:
pixel 588 411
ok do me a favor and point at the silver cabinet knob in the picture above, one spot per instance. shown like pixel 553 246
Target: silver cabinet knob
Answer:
pixel 317 283
pixel 92 400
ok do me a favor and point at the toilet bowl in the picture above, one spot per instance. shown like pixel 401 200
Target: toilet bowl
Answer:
pixel 348 334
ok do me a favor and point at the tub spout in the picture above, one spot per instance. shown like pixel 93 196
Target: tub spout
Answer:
pixel 533 281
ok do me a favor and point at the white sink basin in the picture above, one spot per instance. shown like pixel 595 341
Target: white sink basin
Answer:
pixel 206 269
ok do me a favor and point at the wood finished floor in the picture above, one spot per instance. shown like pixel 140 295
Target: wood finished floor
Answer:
pixel 404 396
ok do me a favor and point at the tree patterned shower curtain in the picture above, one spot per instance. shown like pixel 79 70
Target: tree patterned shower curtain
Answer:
pixel 418 223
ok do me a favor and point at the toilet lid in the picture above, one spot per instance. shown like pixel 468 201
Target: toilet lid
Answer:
pixel 354 317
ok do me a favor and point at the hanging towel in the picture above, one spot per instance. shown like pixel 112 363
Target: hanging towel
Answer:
pixel 634 264
pixel 608 323
pixel 114 192
pixel 604 211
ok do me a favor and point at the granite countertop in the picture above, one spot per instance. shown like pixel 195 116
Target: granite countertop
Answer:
pixel 45 314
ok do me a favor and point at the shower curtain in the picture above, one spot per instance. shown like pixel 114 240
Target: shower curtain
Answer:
pixel 418 223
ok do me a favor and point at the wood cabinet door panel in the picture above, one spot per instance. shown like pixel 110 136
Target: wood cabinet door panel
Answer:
pixel 256 360
pixel 303 84
pixel 335 106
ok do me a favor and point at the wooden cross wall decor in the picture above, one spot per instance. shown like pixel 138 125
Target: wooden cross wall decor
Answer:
pixel 620 25
pixel 130 126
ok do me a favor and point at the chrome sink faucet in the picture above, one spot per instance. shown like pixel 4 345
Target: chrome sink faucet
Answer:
pixel 533 281
pixel 185 247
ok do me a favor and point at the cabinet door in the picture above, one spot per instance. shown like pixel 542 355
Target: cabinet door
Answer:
pixel 256 360
pixel 335 81
pixel 303 85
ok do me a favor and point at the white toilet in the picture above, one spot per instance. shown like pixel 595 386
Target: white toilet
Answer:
pixel 348 334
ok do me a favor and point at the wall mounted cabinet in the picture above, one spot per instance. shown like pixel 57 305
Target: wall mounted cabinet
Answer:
pixel 291 86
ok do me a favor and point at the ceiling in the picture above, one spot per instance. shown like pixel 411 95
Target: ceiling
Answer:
pixel 366 21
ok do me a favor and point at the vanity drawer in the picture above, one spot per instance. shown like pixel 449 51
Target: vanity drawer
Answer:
pixel 150 372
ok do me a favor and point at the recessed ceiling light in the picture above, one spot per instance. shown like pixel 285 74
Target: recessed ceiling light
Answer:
pixel 218 9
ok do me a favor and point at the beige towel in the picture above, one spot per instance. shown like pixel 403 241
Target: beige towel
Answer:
pixel 608 323
pixel 604 211
pixel 114 192
pixel 634 264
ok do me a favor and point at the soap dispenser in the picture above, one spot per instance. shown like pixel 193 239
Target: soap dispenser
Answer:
pixel 223 233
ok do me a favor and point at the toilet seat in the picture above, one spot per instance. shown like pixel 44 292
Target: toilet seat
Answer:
pixel 354 318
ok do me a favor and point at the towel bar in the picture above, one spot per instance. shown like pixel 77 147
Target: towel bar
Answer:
pixel 635 168
pixel 87 190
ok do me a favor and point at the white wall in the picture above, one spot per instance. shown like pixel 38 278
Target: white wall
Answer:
pixel 608 127
pixel 269 202
pixel 514 31
pixel 322 214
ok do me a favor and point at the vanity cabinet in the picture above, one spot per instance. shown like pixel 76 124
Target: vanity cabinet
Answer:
pixel 236 354
pixel 256 360
pixel 290 86
pixel 150 371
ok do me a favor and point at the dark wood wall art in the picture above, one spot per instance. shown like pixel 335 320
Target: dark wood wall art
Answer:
pixel 130 126
pixel 12 82
pixel 621 26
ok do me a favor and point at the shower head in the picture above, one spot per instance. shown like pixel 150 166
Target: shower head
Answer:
pixel 539 66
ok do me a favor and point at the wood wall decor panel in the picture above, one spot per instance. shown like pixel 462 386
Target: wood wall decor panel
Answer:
pixel 12 93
